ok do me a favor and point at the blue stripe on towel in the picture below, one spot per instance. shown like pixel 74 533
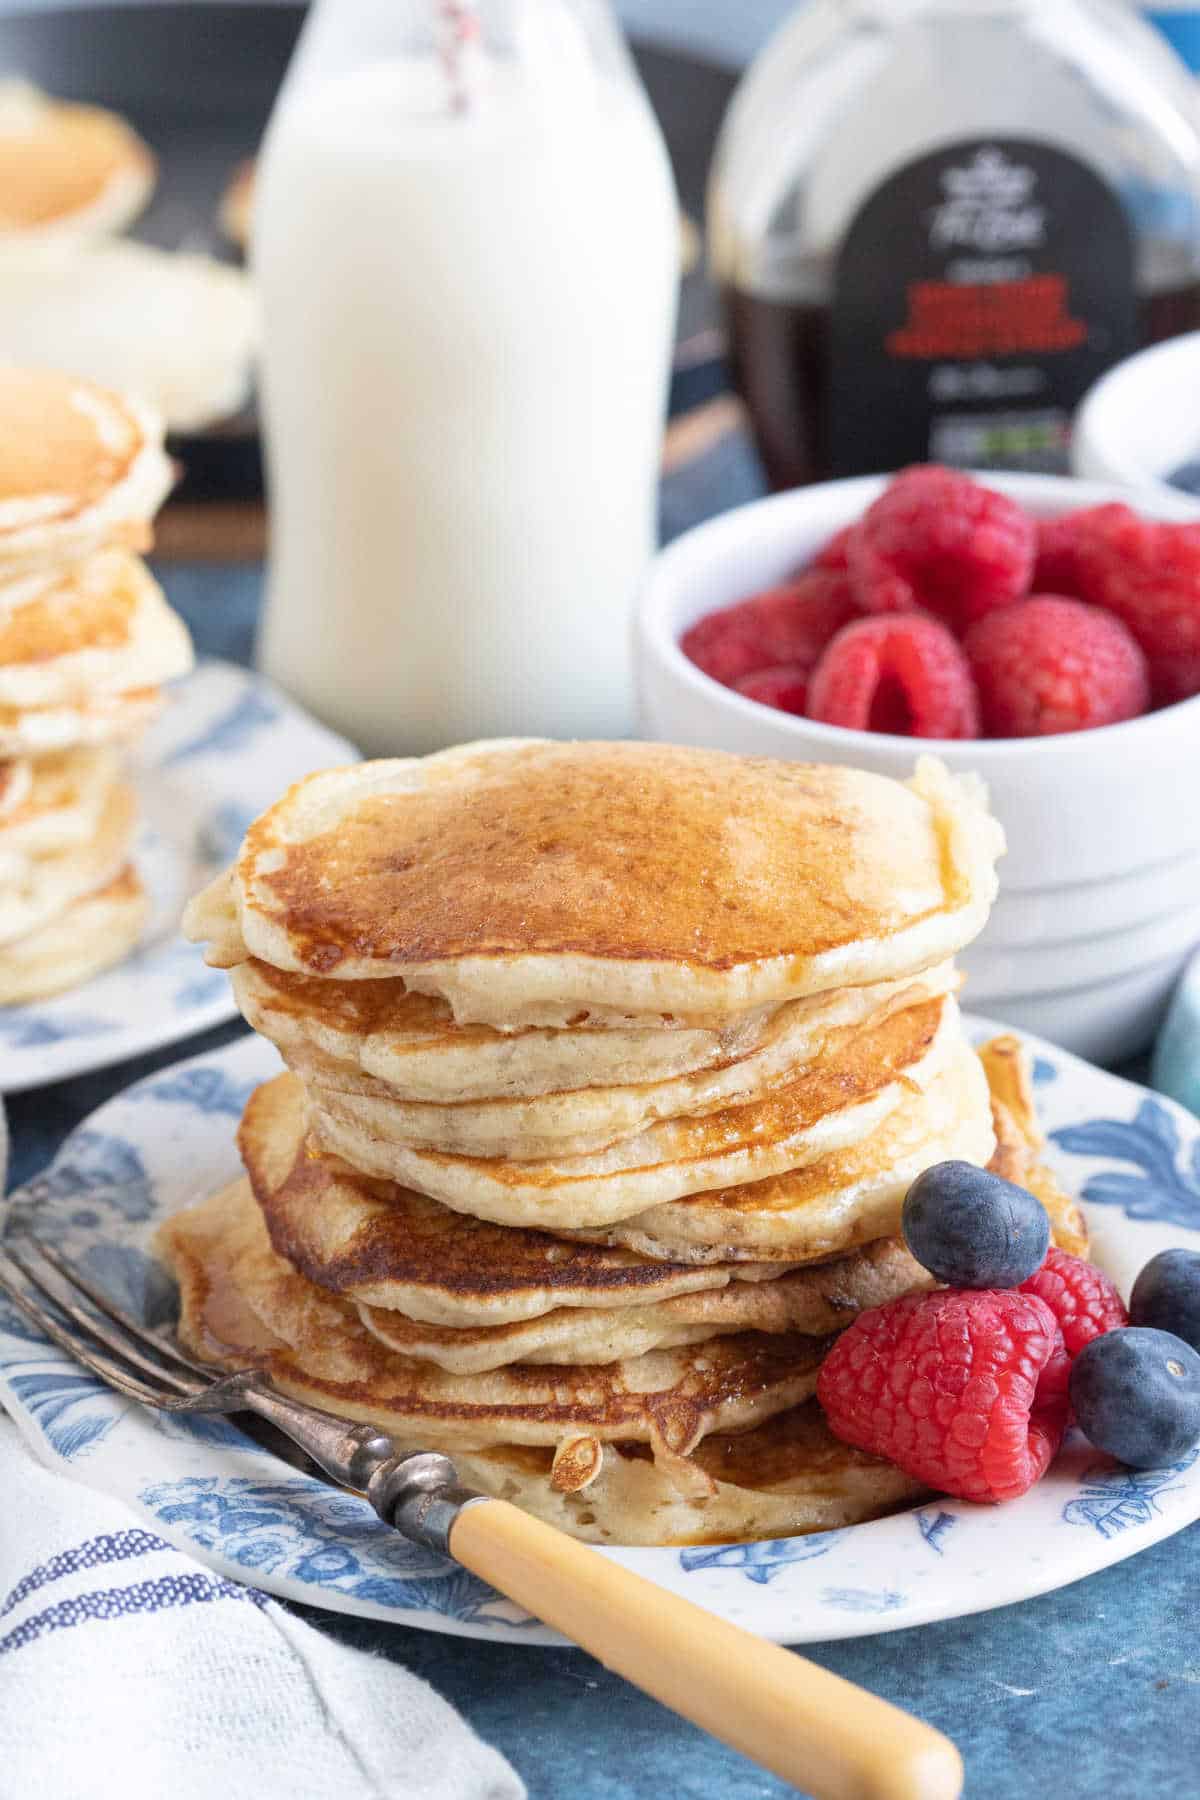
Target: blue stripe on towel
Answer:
pixel 190 1589
pixel 113 1546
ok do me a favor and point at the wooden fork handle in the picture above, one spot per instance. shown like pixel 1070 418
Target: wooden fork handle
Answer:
pixel 822 1734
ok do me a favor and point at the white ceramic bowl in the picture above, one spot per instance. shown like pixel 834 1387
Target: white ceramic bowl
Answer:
pixel 1142 420
pixel 1099 901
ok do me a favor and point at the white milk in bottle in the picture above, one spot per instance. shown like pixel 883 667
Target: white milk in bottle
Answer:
pixel 468 266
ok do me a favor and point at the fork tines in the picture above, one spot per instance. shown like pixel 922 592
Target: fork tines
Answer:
pixel 93 1328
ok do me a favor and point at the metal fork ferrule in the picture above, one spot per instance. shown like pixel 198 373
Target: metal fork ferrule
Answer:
pixel 421 1496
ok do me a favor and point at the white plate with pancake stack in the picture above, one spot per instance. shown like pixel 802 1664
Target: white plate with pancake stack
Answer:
pixel 459 1217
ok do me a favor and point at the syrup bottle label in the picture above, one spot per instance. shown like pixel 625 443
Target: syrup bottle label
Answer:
pixel 978 293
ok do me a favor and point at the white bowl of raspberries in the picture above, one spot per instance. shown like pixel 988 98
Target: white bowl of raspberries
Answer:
pixel 1040 631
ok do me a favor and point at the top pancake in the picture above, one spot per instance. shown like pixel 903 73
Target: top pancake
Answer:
pixel 80 467
pixel 67 172
pixel 530 882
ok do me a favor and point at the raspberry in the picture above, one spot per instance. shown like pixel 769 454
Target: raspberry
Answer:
pixel 790 624
pixel 785 688
pixel 1148 574
pixel 1056 568
pixel 905 675
pixel 936 540
pixel 966 1391
pixel 836 553
pixel 1082 1299
pixel 1048 664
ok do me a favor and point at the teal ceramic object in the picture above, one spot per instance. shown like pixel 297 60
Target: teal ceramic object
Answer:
pixel 1175 1069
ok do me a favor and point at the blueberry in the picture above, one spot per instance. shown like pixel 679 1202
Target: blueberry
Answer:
pixel 1136 1394
pixel 1166 1295
pixel 972 1229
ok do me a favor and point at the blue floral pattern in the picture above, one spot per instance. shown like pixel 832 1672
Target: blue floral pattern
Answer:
pixel 233 729
pixel 935 1527
pixel 95 1173
pixel 204 1086
pixel 760 1561
pixel 863 1600
pixel 29 1028
pixel 73 1409
pixel 1112 1499
pixel 1162 1190
pixel 321 1537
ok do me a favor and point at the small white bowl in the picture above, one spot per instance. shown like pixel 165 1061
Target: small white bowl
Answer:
pixel 1099 901
pixel 1142 420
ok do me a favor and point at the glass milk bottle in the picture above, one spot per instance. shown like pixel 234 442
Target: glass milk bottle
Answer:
pixel 466 242
pixel 937 222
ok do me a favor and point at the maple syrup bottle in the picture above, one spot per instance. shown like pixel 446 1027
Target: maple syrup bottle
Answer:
pixel 937 222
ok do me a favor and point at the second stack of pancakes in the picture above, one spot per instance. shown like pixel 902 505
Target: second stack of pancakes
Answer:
pixel 86 640
pixel 610 1067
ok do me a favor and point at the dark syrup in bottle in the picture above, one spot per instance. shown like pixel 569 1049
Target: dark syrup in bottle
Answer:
pixel 779 355
pixel 936 223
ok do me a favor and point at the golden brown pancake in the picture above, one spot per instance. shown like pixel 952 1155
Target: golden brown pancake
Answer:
pixel 99 719
pixel 813 1302
pixel 784 1474
pixel 375 1242
pixel 1020 1140
pixel 39 888
pixel 782 1478
pixel 67 170
pixel 833 1205
pixel 574 1121
pixel 90 936
pixel 80 467
pixel 102 627
pixel 856 1196
pixel 520 878
pixel 375 1037
pixel 827 1107
pixel 61 806
pixel 449 1289
pixel 242 1305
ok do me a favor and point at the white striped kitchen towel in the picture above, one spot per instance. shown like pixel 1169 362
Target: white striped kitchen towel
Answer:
pixel 129 1672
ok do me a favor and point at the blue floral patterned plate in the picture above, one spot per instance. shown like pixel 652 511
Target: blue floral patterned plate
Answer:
pixel 227 745
pixel 1133 1159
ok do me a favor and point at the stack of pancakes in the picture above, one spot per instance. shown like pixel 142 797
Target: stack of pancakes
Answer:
pixel 610 1066
pixel 86 638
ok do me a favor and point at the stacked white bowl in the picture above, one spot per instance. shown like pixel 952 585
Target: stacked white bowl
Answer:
pixel 1140 422
pixel 1099 902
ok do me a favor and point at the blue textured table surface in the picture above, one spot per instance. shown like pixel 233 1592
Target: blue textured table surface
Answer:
pixel 1093 1690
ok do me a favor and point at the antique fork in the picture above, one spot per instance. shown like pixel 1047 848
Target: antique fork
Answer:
pixel 826 1736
